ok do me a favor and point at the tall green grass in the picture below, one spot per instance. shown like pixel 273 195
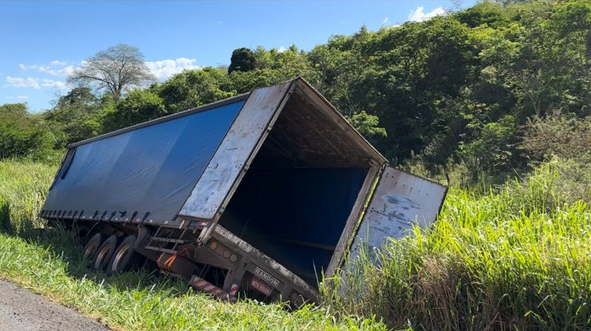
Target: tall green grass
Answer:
pixel 518 258
pixel 23 185
pixel 49 261
pixel 515 258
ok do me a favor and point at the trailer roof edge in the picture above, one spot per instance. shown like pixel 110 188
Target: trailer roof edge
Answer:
pixel 321 101
pixel 166 118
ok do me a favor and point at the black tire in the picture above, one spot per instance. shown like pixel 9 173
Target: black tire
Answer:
pixel 125 257
pixel 92 246
pixel 105 252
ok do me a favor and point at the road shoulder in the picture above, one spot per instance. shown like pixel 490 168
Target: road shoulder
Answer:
pixel 23 310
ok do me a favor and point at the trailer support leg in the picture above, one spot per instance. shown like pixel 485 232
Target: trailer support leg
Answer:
pixel 207 287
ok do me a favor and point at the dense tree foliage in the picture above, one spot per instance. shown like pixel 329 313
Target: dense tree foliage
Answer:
pixel 74 117
pixel 457 89
pixel 195 88
pixel 242 60
pixel 22 134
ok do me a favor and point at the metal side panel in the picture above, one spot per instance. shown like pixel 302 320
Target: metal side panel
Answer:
pixel 233 157
pixel 399 201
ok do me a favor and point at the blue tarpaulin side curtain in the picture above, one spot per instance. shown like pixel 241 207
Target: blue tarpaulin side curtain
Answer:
pixel 149 171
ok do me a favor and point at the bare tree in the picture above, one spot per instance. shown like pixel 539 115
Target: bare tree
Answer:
pixel 115 70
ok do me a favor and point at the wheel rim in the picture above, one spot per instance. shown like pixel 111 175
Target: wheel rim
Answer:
pixel 121 254
pixel 90 250
pixel 101 257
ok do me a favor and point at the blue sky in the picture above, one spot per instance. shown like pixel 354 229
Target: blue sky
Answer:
pixel 42 41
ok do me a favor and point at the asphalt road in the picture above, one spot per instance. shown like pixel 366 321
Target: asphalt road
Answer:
pixel 22 310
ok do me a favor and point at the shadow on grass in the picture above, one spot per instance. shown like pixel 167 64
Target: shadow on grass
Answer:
pixel 65 245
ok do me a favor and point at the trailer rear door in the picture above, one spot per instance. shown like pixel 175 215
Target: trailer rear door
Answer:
pixel 399 201
pixel 232 159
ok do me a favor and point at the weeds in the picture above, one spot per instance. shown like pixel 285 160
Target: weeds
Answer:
pixel 49 261
pixel 23 186
pixel 513 258
pixel 516 259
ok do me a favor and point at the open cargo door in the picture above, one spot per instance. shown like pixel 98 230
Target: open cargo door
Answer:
pixel 399 201
pixel 235 154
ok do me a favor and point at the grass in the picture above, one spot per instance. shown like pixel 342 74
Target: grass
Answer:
pixel 518 258
pixel 49 261
pixel 514 258
pixel 23 186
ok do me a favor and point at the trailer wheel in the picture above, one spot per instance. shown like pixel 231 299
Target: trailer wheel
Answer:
pixel 125 257
pixel 92 246
pixel 104 253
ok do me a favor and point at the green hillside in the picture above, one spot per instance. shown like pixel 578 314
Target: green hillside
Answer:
pixel 493 101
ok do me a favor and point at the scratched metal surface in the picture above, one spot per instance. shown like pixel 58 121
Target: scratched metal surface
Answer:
pixel 223 173
pixel 399 201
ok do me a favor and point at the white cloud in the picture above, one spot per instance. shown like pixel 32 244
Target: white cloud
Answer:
pixel 53 83
pixel 19 97
pixel 66 71
pixel 21 82
pixel 55 68
pixel 161 69
pixel 419 15
pixel 24 67
pixel 166 68
pixel 281 49
pixel 385 20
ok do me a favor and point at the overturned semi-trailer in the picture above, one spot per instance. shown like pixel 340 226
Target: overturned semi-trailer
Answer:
pixel 258 194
